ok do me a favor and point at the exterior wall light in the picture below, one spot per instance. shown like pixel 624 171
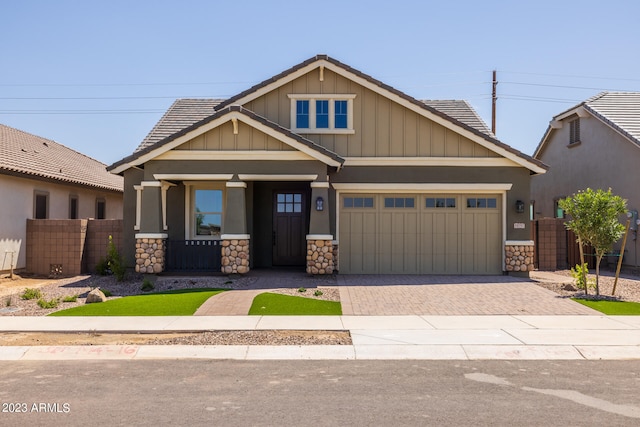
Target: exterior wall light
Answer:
pixel 519 206
pixel 319 204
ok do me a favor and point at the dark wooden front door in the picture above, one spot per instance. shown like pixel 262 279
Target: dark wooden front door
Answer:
pixel 289 224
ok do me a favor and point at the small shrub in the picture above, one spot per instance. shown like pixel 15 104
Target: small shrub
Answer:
pixel 113 263
pixel 31 293
pixel 52 303
pixel 70 298
pixel 107 293
pixel 147 285
pixel 8 302
pixel 102 268
pixel 580 274
pixel 317 293
pixel 302 290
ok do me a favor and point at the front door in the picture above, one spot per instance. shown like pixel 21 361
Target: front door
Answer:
pixel 289 223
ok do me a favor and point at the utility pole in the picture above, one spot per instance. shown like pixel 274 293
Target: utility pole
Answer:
pixel 494 98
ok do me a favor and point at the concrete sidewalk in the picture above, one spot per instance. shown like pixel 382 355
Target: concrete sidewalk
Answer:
pixel 426 337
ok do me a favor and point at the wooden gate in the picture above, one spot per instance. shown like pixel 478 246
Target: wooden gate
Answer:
pixel 556 247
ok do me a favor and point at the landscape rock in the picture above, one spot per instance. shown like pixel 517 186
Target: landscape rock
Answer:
pixel 95 295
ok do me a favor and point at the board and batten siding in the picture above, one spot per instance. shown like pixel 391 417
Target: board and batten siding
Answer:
pixel 382 127
pixel 222 138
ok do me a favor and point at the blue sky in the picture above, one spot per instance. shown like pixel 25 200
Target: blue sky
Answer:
pixel 96 76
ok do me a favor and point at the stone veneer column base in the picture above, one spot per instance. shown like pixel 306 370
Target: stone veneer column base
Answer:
pixel 320 257
pixel 150 255
pixel 235 256
pixel 519 256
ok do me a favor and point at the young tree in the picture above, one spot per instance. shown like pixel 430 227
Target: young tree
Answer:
pixel 594 220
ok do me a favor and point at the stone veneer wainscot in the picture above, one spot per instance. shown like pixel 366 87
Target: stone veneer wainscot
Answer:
pixel 235 256
pixel 150 255
pixel 320 257
pixel 519 255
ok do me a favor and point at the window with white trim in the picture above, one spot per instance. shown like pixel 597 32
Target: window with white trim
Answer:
pixel 205 211
pixel 322 113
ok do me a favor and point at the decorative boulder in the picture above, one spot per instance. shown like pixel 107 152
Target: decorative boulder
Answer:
pixel 95 295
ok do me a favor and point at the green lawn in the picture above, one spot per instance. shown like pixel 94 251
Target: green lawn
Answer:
pixel 277 304
pixel 183 302
pixel 612 307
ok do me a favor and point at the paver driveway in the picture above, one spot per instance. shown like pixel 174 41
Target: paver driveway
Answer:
pixel 451 295
pixel 373 295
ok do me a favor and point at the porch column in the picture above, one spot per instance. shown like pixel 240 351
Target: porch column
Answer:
pixel 235 240
pixel 151 240
pixel 320 257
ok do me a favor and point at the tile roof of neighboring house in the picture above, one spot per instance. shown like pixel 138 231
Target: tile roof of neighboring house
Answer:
pixel 182 114
pixel 621 110
pixel 24 154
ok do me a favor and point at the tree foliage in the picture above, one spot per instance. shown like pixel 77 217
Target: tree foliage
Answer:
pixel 595 221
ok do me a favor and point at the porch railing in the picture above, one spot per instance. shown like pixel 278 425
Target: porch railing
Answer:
pixel 193 256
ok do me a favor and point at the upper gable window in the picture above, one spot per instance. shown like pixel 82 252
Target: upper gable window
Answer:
pixel 574 131
pixel 322 113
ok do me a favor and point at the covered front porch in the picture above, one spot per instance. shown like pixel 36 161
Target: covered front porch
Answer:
pixel 235 223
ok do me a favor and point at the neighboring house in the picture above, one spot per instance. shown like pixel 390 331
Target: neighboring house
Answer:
pixel 325 167
pixel 595 144
pixel 41 179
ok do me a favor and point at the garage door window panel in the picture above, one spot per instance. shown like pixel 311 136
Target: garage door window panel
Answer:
pixel 440 202
pixel 482 203
pixel 399 202
pixel 358 202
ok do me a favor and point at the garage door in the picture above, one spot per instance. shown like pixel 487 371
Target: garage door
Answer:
pixel 420 234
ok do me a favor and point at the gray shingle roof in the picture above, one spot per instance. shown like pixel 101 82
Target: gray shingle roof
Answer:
pixel 621 110
pixel 24 154
pixel 182 114
pixel 461 111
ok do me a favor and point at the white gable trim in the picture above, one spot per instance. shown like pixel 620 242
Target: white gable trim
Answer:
pixel 152 155
pixel 396 98
pixel 234 155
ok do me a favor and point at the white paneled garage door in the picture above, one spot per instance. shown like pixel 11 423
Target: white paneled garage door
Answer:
pixel 420 234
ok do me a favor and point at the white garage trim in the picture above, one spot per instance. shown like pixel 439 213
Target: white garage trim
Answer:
pixel 430 161
pixel 422 188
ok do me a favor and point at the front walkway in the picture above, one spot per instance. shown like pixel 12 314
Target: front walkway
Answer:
pixel 397 295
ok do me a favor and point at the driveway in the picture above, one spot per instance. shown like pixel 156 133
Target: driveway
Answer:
pixel 371 295
pixel 374 295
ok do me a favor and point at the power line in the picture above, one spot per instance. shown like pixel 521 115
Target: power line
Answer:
pixel 76 98
pixel 116 84
pixel 82 112
pixel 571 76
pixel 565 87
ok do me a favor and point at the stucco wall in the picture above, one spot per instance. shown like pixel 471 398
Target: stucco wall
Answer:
pixel 603 159
pixel 16 206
